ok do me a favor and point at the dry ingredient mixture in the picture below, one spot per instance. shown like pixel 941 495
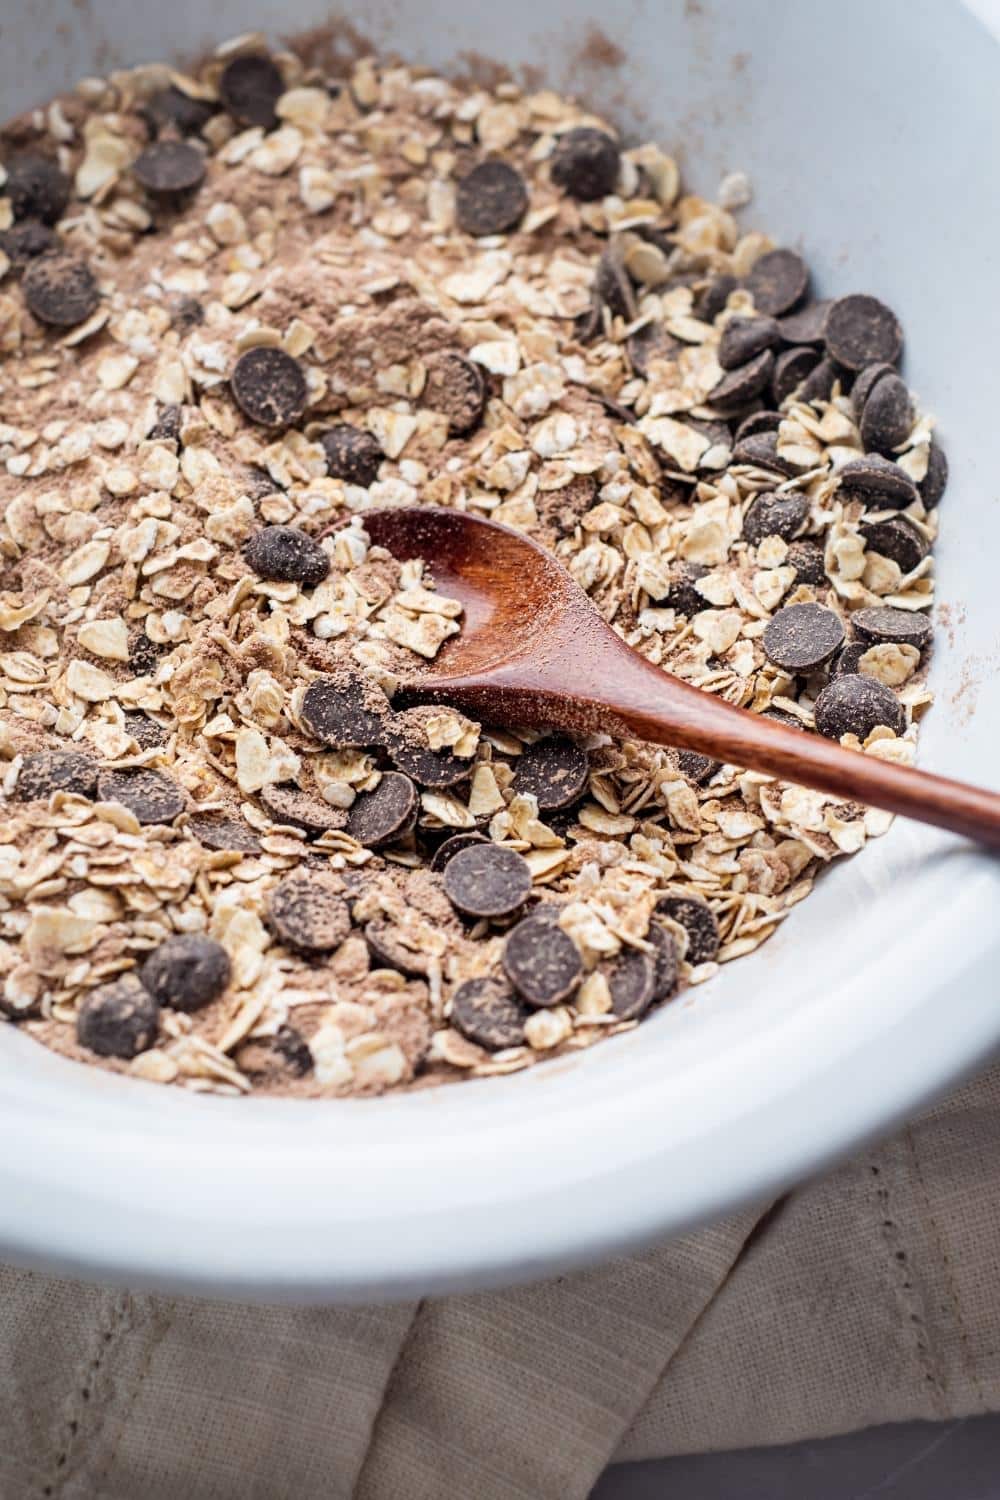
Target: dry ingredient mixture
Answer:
pixel 241 308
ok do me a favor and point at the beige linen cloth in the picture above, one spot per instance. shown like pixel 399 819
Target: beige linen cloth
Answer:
pixel 869 1296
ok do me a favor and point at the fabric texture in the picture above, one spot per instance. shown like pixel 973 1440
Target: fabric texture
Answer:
pixel 868 1296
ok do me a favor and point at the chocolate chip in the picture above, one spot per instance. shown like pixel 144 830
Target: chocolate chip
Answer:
pixel 146 732
pixel 807 326
pixel 775 515
pixel 489 1013
pixel 386 814
pixel 390 949
pixel 934 482
pixel 665 962
pixel 152 796
pixel 631 983
pixel 682 594
pixel 46 771
pixel 698 920
pixel 709 303
pixel 818 384
pixel 877 482
pixel 760 450
pixel 585 164
pixel 540 960
pixel 143 655
pixel 269 387
pixel 60 290
pixel 407 745
pixel 167 425
pixel 185 313
pixel 224 834
pixel 292 1046
pixel 848 659
pixel 697 768
pixel 903 627
pixel 855 704
pixel 172 109
pixel 307 913
pixel 801 637
pixel 887 417
pixel 613 287
pixel 36 188
pixel 777 281
pixel 271 1057
pixel 250 87
pixel 589 325
pixel 487 880
pixel 491 199
pixel 24 242
pixel 170 169
pixel 347 714
pixel 861 330
pixel 790 370
pixel 781 717
pixel 897 538
pixel 866 383
pixel 649 343
pixel 737 387
pixel 351 454
pixel 553 770
pixel 806 557
pixel 744 338
pixel 288 554
pixel 718 434
pixel 451 846
pixel 615 408
pixel 117 1019
pixel 456 388
pixel 288 803
pixel 187 971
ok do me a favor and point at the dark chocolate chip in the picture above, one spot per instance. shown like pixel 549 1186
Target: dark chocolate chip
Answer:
pixel 698 920
pixel 37 189
pixel 456 388
pixel 777 281
pixel 613 287
pixel 848 659
pixel 172 109
pixel 781 717
pixel 185 313
pixel 877 482
pixel 409 751
pixel 287 554
pixel 250 87
pixel 391 950
pixel 292 1046
pixel 46 771
pixel 612 407
pixel 143 655
pixel 806 557
pixel 308 914
pixel 790 370
pixel 801 637
pixel 818 384
pixel 272 1057
pixel 866 383
pixel 26 241
pixel 60 290
pixel 897 538
pixel 697 768
pixel 152 796
pixel 887 417
pixel 117 1019
pixel 491 199
pixel 665 962
pixel 775 515
pixel 167 425
pixel 718 434
pixel 187 971
pixel 347 714
pixel 540 960
pixel 861 330
pixel 649 343
pixel 170 169
pixel 288 803
pixel 487 880
pixel 589 325
pixel 489 1013
pixel 744 338
pixel 553 770
pixel 709 303
pixel 682 594
pixel 351 454
pixel 585 164
pixel 807 326
pixel 737 387
pixel 631 980
pixel 903 627
pixel 934 482
pixel 451 846
pixel 269 387
pixel 760 451
pixel 146 732
pixel 224 835
pixel 385 815
pixel 855 704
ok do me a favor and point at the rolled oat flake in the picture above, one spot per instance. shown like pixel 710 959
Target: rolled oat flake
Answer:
pixel 801 637
pixel 698 920
pixel 306 913
pixel 152 796
pixel 60 290
pixel 351 454
pixel 250 88
pixel 488 1012
pixel 777 281
pixel 541 961
pixel 903 627
pixel 269 387
pixel 585 164
pixel 739 386
pixel 287 554
pixel 386 814
pixel 169 169
pixel 36 188
pixel 288 803
pixel 187 971
pixel 456 388
pixel 631 983
pixel 887 417
pixel 775 515
pixel 487 880
pixel 861 330
pixel 450 847
pixel 491 199
pixel 347 714
pixel 118 1019
pixel 855 704
pixel 553 770
pixel 46 771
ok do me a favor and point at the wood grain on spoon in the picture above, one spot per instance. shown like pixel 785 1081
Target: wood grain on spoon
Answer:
pixel 533 650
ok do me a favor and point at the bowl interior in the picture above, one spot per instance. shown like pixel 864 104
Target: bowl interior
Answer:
pixel 872 996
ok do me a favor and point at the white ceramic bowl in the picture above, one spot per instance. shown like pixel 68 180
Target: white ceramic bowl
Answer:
pixel 869 135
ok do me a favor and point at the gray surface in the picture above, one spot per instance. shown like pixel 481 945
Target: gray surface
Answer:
pixel 912 1461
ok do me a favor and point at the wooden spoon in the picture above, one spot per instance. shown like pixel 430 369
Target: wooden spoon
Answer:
pixel 533 650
